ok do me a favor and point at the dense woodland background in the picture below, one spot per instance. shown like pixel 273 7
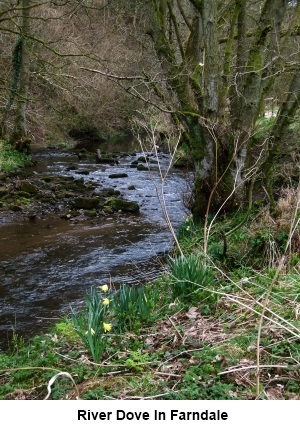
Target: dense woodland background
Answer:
pixel 206 72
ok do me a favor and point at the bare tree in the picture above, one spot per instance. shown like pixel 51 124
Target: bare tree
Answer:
pixel 214 64
pixel 44 47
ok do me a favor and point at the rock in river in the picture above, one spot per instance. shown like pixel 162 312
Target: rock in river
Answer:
pixel 118 175
pixel 86 202
pixel 121 205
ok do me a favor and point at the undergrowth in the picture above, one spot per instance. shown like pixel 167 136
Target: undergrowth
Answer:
pixel 10 158
pixel 192 334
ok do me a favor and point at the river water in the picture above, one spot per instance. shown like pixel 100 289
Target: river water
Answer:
pixel 48 265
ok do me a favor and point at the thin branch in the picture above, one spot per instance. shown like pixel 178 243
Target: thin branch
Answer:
pixel 117 77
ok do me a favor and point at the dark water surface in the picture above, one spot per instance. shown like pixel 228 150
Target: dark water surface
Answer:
pixel 49 264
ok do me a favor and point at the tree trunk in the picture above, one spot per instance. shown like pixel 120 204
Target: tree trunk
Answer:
pixel 218 95
pixel 276 140
pixel 19 138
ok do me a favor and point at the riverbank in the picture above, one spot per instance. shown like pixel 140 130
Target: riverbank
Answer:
pixel 203 336
pixel 220 326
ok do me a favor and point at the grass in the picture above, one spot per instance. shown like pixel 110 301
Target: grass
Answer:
pixel 193 281
pixel 11 159
pixel 182 355
pixel 164 343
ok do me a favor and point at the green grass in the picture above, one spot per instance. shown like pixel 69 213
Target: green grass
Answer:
pixel 164 342
pixel 193 281
pixel 132 307
pixel 10 158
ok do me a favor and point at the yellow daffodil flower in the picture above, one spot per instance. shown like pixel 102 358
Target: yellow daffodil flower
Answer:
pixel 105 302
pixel 107 327
pixel 103 287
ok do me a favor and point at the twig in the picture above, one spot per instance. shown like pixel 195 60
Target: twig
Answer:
pixel 150 397
pixel 293 227
pixel 266 366
pixel 173 375
pixel 177 331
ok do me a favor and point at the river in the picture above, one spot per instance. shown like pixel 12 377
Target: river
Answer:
pixel 48 265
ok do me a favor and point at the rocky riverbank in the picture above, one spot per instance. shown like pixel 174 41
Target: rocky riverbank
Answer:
pixel 31 195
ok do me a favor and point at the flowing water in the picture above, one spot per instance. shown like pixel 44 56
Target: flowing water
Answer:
pixel 48 265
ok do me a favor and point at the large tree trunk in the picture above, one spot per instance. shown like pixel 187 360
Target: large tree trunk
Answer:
pixel 19 138
pixel 218 94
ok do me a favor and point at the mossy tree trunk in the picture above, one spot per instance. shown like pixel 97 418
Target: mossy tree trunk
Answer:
pixel 19 137
pixel 14 112
pixel 219 89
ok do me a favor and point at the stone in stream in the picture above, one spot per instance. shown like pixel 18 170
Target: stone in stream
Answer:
pixel 86 203
pixel 143 159
pixel 109 192
pixel 82 172
pixel 141 167
pixel 83 154
pixel 4 191
pixel 105 158
pixel 118 175
pixel 15 208
pixel 29 188
pixel 22 194
pixel 114 205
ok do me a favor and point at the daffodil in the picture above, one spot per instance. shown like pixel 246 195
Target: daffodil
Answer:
pixel 92 331
pixel 105 302
pixel 107 327
pixel 103 287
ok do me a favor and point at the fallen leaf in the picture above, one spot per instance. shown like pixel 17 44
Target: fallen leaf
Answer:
pixel 192 313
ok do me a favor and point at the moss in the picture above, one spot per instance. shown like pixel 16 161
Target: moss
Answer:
pixel 29 188
pixel 3 191
pixel 91 212
pixel 141 167
pixel 110 192
pixel 121 205
pixel 15 208
pixel 195 139
pixel 143 159
pixel 86 203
